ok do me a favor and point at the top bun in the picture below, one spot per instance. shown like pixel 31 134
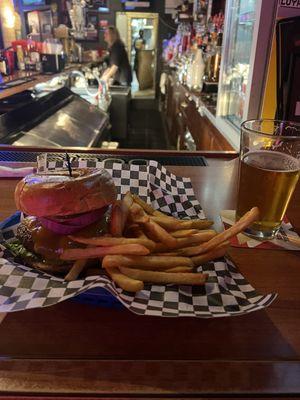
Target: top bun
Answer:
pixel 58 194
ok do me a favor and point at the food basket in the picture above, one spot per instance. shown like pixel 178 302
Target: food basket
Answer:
pixel 226 293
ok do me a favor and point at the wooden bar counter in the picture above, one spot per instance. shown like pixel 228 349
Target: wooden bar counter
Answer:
pixel 83 350
pixel 37 77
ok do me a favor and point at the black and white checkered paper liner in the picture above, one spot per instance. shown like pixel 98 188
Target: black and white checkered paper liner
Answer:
pixel 227 292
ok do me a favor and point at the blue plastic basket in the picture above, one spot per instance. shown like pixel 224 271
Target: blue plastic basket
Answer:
pixel 98 297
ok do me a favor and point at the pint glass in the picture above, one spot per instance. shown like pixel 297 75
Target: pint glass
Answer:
pixel 269 172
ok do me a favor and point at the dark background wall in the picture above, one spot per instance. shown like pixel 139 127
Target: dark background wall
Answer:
pixel 114 7
pixel 166 29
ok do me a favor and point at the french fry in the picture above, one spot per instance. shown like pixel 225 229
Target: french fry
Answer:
pixel 146 262
pixel 113 241
pixel 166 254
pixel 217 252
pixel 179 269
pixel 246 220
pixel 158 213
pixel 96 252
pixel 125 282
pixel 182 233
pixel 200 237
pixel 171 224
pixel 128 200
pixel 116 220
pixel 75 271
pixel 153 230
pixel 158 233
pixel 150 210
pixel 138 215
pixel 125 205
pixel 174 224
pixel 195 224
pixel 145 206
pixel 162 248
pixel 193 250
pixel 180 278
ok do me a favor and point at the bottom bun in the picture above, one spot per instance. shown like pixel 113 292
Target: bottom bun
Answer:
pixel 52 268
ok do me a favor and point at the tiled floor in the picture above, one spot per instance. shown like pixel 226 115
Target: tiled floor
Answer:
pixel 145 126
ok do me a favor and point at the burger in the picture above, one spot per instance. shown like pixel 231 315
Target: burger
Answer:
pixel 58 205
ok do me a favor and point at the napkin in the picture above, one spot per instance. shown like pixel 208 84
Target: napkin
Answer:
pixel 280 242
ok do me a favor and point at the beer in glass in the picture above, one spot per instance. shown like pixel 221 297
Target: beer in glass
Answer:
pixel 269 172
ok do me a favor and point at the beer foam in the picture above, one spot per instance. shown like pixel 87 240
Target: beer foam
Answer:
pixel 272 161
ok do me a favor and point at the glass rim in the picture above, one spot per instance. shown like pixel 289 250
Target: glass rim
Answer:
pixel 267 135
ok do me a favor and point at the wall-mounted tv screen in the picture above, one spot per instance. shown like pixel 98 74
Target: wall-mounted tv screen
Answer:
pixel 28 3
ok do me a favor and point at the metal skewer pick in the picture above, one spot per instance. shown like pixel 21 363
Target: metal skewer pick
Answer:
pixel 69 165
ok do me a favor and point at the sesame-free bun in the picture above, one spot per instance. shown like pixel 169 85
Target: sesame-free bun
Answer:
pixel 58 194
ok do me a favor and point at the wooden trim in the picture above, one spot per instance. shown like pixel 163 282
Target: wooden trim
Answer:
pixel 95 150
pixel 149 378
pixel 146 15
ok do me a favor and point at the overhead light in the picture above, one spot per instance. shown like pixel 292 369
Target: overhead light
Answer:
pixel 9 17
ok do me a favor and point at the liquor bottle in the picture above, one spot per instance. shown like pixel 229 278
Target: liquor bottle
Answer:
pixel 208 53
pixel 27 59
pixel 214 35
pixel 198 67
pixel 216 60
pixel 4 67
pixel 20 57
pixel 35 59
pixel 189 65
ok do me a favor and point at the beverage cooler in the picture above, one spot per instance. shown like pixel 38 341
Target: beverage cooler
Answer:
pixel 248 30
pixel 39 24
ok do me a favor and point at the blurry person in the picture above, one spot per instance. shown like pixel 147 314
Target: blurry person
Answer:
pixel 139 44
pixel 119 68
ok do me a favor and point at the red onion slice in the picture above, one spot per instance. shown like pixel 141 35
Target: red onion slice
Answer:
pixel 69 226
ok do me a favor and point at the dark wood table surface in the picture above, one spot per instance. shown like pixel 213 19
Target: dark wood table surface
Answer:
pixel 73 348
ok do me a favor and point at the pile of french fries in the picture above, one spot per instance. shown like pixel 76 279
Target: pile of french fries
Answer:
pixel 145 245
